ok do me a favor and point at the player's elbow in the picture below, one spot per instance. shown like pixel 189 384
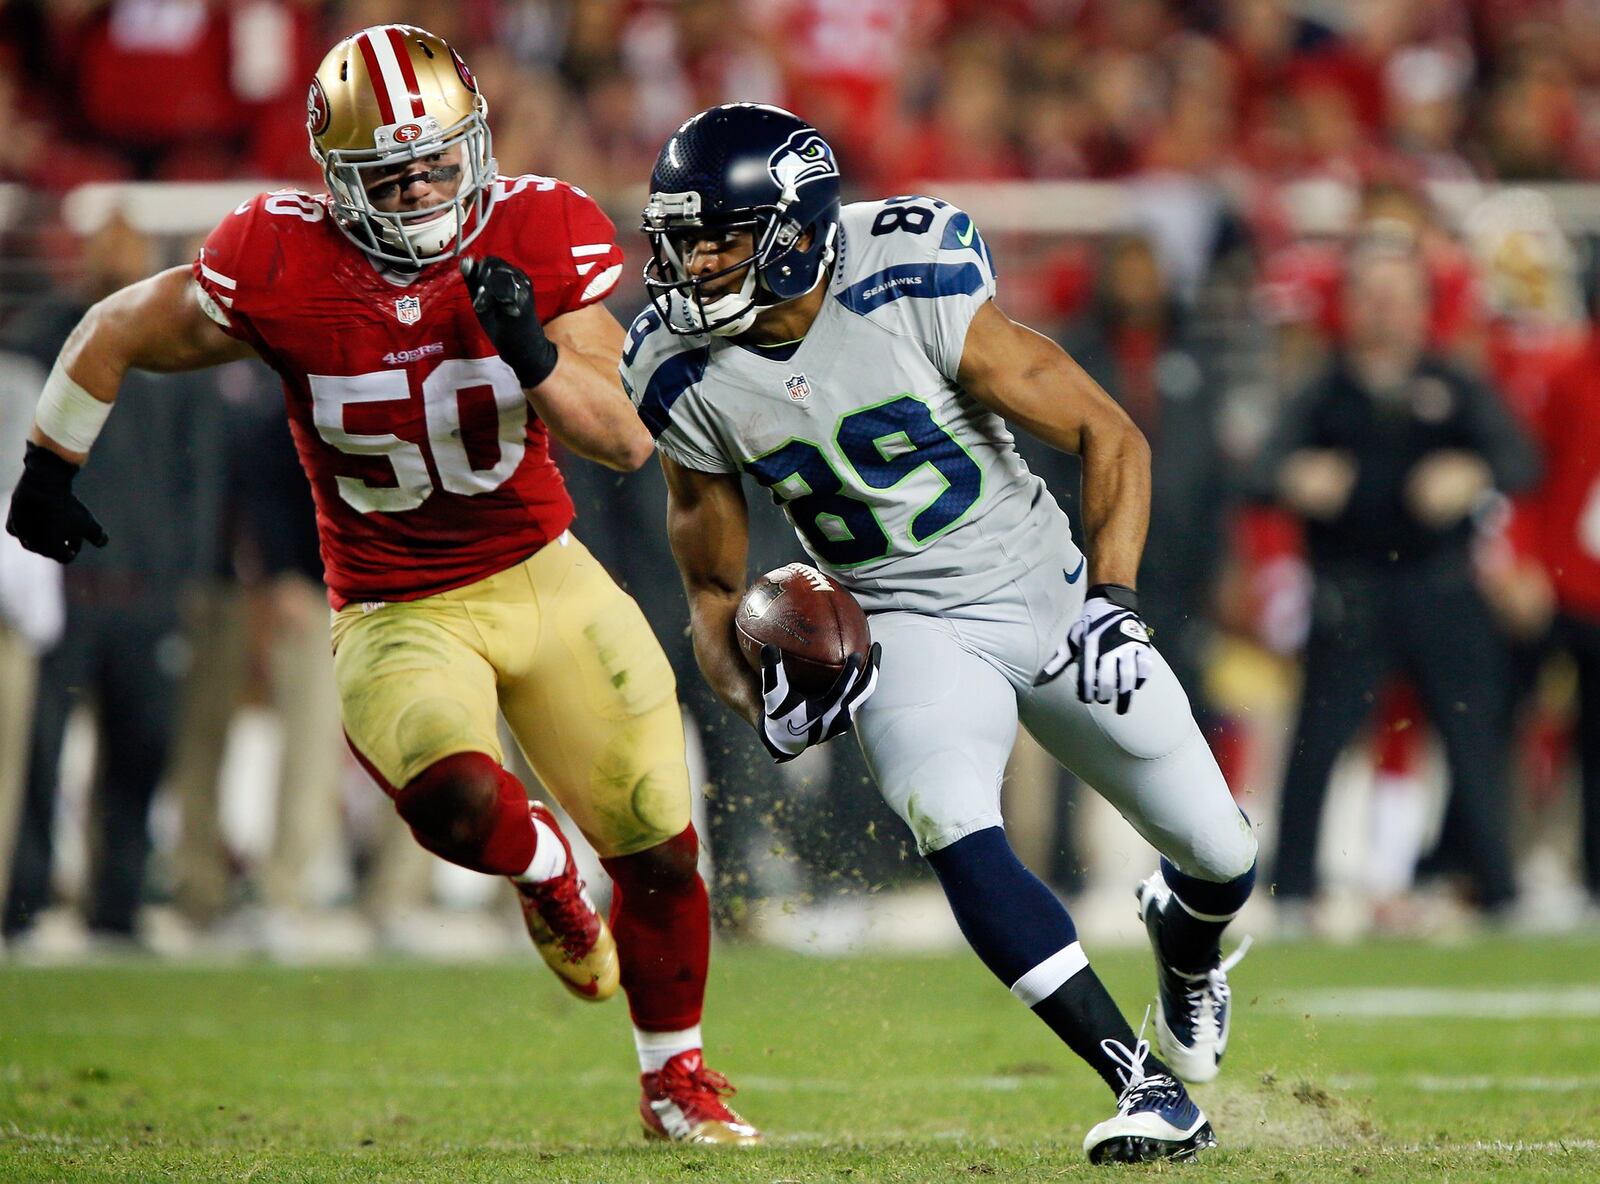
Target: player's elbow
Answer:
pixel 1117 436
pixel 632 451
pixel 1135 446
pixel 624 458
pixel 622 447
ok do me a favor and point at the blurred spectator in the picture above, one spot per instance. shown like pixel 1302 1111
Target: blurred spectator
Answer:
pixel 1056 87
pixel 685 57
pixel 270 631
pixel 845 65
pixel 1563 533
pixel 1141 347
pixel 231 77
pixel 1536 328
pixel 967 134
pixel 30 606
pixel 123 648
pixel 1531 294
pixel 1302 285
pixel 1137 342
pixel 1385 457
pixel 1529 121
pixel 1426 91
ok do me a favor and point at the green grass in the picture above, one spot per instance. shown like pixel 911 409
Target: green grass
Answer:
pixel 861 1069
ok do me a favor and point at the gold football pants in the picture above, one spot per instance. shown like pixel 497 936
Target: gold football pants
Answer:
pixel 569 659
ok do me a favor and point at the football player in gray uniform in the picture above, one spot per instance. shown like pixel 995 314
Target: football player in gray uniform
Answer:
pixel 852 361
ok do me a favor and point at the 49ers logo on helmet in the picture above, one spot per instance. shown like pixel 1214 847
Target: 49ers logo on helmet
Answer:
pixel 316 109
pixel 407 133
pixel 467 80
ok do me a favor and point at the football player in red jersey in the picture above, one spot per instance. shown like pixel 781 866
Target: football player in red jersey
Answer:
pixel 434 323
pixel 1558 525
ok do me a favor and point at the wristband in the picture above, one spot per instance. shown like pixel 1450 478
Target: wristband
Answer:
pixel 67 413
pixel 1118 594
pixel 533 364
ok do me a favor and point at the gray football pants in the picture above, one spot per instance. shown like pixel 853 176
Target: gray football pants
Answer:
pixel 953 687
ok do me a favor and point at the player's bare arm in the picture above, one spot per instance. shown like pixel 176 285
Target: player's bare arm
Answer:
pixel 567 368
pixel 708 525
pixel 583 401
pixel 1033 382
pixel 156 324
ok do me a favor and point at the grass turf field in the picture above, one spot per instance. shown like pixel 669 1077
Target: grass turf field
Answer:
pixel 861 1069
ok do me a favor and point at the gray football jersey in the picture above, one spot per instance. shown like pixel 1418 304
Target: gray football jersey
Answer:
pixel 897 481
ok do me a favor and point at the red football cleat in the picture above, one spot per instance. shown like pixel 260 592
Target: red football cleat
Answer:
pixel 570 934
pixel 683 1104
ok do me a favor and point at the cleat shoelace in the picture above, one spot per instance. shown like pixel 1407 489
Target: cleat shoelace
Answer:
pixel 699 1088
pixel 1130 1066
pixel 1207 998
pixel 1141 1091
pixel 1157 1092
pixel 563 908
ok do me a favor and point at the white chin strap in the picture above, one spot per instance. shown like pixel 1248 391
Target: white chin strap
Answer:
pixel 728 305
pixel 431 238
pixel 740 306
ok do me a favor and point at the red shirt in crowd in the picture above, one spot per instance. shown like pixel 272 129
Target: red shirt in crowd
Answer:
pixel 1560 521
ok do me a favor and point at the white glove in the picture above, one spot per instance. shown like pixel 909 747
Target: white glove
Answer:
pixel 792 722
pixel 1110 645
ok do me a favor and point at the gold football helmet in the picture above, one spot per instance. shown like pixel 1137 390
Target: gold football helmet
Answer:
pixel 1527 266
pixel 386 96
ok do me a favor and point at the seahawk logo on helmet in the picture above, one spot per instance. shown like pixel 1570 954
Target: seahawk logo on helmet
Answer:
pixel 805 156
pixel 390 96
pixel 740 166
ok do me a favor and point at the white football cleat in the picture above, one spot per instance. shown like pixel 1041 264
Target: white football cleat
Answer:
pixel 1155 1118
pixel 1193 1019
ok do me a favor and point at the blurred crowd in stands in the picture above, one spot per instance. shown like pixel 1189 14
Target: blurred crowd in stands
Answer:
pixel 989 89
pixel 1332 294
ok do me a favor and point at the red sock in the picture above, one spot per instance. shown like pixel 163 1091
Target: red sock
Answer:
pixel 467 809
pixel 661 918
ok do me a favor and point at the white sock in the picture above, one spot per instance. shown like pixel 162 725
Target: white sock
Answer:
pixel 1397 819
pixel 549 857
pixel 657 1048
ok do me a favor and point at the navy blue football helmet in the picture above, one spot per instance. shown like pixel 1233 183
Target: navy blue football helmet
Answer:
pixel 740 166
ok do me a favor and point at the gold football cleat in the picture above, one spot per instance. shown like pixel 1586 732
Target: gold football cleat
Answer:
pixel 568 931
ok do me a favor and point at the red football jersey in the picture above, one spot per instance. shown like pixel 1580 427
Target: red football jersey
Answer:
pixel 428 466
pixel 1564 511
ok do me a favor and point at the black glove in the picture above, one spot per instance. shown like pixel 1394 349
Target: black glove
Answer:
pixel 44 516
pixel 502 296
pixel 792 722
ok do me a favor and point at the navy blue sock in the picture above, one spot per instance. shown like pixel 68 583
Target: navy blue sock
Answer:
pixel 1025 936
pixel 1009 918
pixel 1190 932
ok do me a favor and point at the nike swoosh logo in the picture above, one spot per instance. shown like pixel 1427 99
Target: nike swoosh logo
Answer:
pixel 964 237
pixel 1072 576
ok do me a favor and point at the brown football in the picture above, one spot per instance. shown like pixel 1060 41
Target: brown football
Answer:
pixel 807 615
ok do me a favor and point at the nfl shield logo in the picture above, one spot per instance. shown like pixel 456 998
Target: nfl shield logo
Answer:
pixel 408 309
pixel 797 386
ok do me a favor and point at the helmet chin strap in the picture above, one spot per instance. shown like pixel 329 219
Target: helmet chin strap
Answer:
pixel 431 238
pixel 740 306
